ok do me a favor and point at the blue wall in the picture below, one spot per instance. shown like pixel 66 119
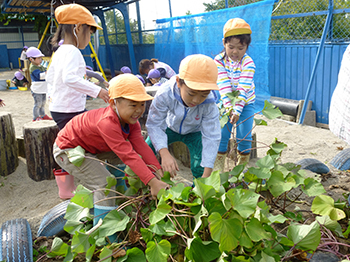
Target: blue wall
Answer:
pixel 290 67
pixel 4 59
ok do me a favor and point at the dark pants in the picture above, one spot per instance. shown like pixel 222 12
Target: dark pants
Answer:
pixel 62 119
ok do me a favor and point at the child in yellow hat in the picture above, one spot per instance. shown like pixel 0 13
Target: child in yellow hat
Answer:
pixel 67 88
pixel 113 129
pixel 236 72
pixel 184 110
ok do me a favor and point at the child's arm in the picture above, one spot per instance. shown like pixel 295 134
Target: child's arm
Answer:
pixel 224 82
pixel 245 84
pixel 96 75
pixel 2 103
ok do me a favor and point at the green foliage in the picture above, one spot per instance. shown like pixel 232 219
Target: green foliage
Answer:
pixel 224 218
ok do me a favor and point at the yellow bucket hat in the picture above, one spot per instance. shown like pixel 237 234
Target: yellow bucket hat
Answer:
pixel 199 72
pixel 73 14
pixel 128 86
pixel 236 26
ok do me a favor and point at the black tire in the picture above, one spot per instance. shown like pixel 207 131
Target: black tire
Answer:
pixel 313 165
pixel 53 221
pixel 342 160
pixel 16 241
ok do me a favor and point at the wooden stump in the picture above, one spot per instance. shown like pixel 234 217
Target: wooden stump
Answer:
pixel 8 145
pixel 180 151
pixel 39 137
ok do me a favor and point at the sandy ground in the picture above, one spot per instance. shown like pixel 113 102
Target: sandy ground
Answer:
pixel 21 197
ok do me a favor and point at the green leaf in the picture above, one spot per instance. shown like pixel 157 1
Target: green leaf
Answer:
pixel 111 181
pixel 270 111
pixel 106 252
pixel 58 248
pixel 83 197
pixel 245 240
pixel 243 201
pixel 225 231
pixel 75 212
pixel 203 212
pixel 256 231
pixel 176 191
pixel 163 228
pixel 113 222
pixel 278 185
pixel 202 190
pixel 90 253
pixel 147 235
pixel 203 251
pixel 278 147
pixel 71 226
pixel 76 156
pixel 166 178
pixel 266 258
pixel 213 180
pixel 133 255
pixel 80 242
pixel 223 121
pixel 312 187
pixel 158 251
pixel 260 122
pixel 330 224
pixel 160 213
pixel 195 202
pixel 261 173
pixel 324 205
pixel 306 237
pixel 277 219
pixel 266 162
pixel 233 96
pixel 69 256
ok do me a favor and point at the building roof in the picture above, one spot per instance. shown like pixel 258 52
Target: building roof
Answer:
pixel 44 6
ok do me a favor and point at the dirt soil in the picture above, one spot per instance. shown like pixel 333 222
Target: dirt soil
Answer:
pixel 21 197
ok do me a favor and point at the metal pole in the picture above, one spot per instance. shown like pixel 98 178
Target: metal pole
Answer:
pixel 320 48
pixel 171 15
pixel 115 25
pixel 226 3
pixel 139 22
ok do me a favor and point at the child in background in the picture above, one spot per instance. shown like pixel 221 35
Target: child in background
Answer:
pixel 38 87
pixel 155 78
pixel 236 72
pixel 114 128
pixel 23 56
pixel 184 110
pixel 67 87
pixel 19 80
pixel 146 65
pixel 95 77
pixel 141 79
pixel 125 70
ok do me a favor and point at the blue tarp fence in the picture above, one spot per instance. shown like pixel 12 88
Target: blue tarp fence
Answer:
pixel 179 37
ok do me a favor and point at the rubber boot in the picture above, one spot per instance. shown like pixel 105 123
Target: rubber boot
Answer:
pixel 65 183
pixel 243 158
pixel 119 175
pixel 99 213
pixel 220 162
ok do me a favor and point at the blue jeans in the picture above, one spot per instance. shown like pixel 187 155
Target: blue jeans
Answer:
pixel 194 143
pixel 243 131
pixel 39 105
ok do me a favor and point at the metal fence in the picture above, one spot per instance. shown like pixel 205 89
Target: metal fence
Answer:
pixel 300 21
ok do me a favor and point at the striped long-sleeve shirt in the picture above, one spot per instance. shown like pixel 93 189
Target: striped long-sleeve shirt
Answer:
pixel 233 76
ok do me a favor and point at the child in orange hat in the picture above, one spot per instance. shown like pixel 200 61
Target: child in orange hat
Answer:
pixel 236 72
pixel 184 110
pixel 67 88
pixel 114 128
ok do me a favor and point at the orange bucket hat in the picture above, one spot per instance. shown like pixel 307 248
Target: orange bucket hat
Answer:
pixel 199 72
pixel 128 86
pixel 75 14
pixel 236 26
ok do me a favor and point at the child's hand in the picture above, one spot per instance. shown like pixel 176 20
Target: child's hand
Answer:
pixel 168 162
pixel 2 103
pixel 104 95
pixel 233 118
pixel 156 185
pixel 207 172
pixel 106 84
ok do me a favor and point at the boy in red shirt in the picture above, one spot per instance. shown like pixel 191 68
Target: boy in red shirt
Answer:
pixel 114 128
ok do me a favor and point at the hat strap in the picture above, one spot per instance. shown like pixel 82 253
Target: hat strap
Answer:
pixel 116 109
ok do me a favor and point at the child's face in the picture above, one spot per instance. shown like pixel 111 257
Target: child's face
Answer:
pixel 191 97
pixel 154 80
pixel 234 49
pixel 36 61
pixel 83 33
pixel 130 111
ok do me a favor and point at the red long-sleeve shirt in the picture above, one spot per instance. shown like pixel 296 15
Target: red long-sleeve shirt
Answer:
pixel 99 131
